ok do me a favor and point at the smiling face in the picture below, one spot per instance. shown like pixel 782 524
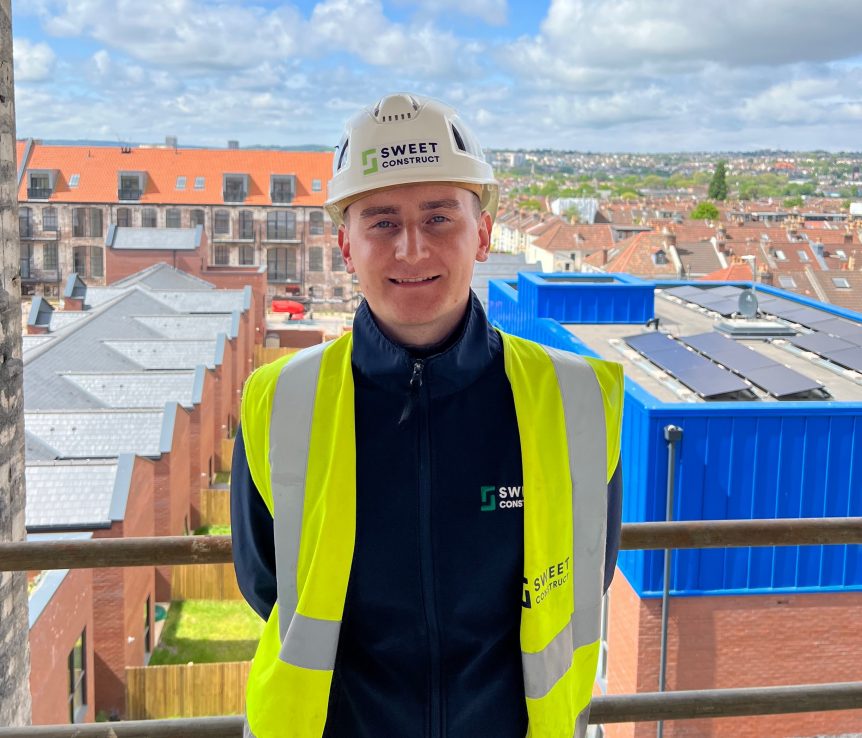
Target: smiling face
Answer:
pixel 413 249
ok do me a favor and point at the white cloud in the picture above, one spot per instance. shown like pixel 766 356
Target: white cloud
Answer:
pixel 493 12
pixel 33 62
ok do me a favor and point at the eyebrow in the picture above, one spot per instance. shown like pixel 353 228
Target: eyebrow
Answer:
pixel 438 204
pixel 376 210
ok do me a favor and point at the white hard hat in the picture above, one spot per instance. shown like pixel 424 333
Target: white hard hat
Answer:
pixel 407 139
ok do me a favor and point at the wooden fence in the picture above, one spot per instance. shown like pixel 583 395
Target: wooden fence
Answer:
pixel 191 690
pixel 205 582
pixel 215 507
pixel 264 355
pixel 224 455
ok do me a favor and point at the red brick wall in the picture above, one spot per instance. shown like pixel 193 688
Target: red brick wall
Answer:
pixel 120 264
pixel 119 596
pixel 65 617
pixel 743 641
pixel 236 279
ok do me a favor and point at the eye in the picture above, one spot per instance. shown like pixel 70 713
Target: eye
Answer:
pixel 439 219
pixel 383 224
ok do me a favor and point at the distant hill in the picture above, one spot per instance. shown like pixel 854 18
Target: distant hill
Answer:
pixel 94 142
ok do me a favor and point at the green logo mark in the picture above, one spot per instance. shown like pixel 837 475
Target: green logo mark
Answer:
pixel 489 501
pixel 369 161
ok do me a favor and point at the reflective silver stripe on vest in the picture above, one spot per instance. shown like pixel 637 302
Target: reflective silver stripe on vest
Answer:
pixel 310 643
pixel 585 430
pixel 289 439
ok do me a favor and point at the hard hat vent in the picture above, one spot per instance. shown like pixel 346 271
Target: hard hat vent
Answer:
pixel 396 108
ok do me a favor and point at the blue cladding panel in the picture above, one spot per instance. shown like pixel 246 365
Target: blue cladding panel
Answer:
pixel 736 461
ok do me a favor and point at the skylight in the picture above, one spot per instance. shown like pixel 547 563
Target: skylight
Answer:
pixel 787 282
pixel 841 283
pixel 74 179
pixel 199 183
pixel 181 183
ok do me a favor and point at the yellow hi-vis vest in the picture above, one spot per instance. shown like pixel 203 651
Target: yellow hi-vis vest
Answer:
pixel 298 427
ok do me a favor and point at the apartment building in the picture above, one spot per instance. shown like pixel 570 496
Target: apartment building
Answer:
pixel 256 208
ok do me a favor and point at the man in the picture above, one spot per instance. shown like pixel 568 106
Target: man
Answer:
pixel 420 507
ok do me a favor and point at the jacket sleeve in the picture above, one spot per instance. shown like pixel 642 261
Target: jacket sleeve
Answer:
pixel 251 535
pixel 615 513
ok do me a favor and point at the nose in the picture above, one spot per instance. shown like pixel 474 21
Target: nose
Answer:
pixel 411 246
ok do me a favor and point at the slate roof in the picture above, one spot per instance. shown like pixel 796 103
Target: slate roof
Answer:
pixel 153 239
pixel 30 342
pixel 85 434
pixel 161 354
pixel 61 319
pixel 69 494
pixel 162 276
pixel 188 326
pixel 137 389
pixel 215 301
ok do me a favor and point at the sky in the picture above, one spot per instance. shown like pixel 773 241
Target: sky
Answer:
pixel 583 75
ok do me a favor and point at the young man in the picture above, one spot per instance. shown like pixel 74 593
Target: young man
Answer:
pixel 426 511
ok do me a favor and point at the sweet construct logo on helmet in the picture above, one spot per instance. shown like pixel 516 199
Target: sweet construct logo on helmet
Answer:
pixel 402 154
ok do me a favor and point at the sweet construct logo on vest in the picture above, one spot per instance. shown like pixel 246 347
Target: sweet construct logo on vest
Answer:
pixel 539 587
pixel 501 498
pixel 401 154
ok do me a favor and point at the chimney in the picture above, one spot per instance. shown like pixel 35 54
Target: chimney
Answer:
pixel 232 144
pixel 848 235
pixel 669 236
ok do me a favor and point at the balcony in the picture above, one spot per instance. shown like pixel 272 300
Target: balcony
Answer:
pixel 234 195
pixel 129 194
pixel 38 193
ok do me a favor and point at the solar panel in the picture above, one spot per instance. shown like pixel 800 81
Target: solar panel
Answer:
pixel 820 343
pixel 695 372
pixel 684 291
pixel 772 377
pixel 843 329
pixel 850 358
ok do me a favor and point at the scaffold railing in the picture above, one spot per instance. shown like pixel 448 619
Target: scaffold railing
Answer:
pixel 645 706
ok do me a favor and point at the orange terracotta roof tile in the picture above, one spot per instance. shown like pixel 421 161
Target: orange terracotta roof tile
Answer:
pixel 98 169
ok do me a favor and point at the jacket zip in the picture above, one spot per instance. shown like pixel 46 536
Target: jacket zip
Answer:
pixel 419 390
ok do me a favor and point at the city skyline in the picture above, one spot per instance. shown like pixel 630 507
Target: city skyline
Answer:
pixel 622 75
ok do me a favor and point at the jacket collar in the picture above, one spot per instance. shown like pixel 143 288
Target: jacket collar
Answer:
pixel 449 367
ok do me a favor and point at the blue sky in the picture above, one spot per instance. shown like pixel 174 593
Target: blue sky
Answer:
pixel 588 75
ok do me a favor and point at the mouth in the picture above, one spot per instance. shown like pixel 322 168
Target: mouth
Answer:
pixel 414 280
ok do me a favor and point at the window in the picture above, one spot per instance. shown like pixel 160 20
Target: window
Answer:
pixel 181 183
pixel 316 185
pixel 841 283
pixel 49 219
pixel 196 218
pixel 281 264
pixel 281 225
pixel 840 253
pixel 315 259
pixel 78 679
pixel 95 218
pixel 79 219
pixel 131 187
pixel 803 255
pixel 246 224
pixel 124 217
pixel 173 218
pixel 25 222
pixel 315 223
pixel 338 292
pixel 246 255
pixel 222 254
pixel 200 182
pixel 73 180
pixel 779 254
pixel 234 188
pixel 660 257
pixel 79 260
pixel 49 257
pixel 149 218
pixel 221 222
pixel 40 187
pixel 148 640
pixel 336 260
pixel 787 282
pixel 97 264
pixel 281 189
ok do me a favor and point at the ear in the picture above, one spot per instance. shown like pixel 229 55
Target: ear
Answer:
pixel 344 245
pixel 484 232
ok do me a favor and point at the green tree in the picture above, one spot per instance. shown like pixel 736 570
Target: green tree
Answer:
pixel 793 202
pixel 718 184
pixel 704 211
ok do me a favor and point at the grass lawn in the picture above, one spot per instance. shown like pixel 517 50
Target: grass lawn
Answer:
pixel 213 530
pixel 206 631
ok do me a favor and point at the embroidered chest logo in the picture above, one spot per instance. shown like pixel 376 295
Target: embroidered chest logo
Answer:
pixel 501 498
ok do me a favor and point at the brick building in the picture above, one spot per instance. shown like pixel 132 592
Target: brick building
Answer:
pixel 257 208
pixel 128 397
